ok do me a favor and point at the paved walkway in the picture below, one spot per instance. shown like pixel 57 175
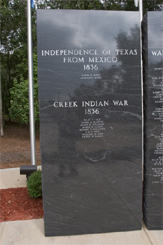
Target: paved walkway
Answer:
pixel 31 232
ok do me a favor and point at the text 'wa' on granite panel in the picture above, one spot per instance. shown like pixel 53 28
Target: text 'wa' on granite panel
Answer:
pixel 153 97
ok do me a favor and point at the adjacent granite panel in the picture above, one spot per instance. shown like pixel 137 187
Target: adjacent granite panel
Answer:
pixel 91 121
pixel 153 95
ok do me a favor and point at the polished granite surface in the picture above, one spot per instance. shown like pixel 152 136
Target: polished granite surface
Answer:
pixel 90 120
pixel 153 96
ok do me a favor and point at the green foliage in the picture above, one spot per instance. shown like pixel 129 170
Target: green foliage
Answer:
pixel 19 109
pixel 87 4
pixel 13 40
pixel 70 4
pixel 19 102
pixel 19 99
pixel 34 184
pixel 152 5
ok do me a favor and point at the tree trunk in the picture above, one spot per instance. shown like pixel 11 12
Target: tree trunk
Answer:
pixel 1 119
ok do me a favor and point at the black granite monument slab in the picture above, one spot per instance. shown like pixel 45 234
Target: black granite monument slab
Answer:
pixel 90 121
pixel 153 91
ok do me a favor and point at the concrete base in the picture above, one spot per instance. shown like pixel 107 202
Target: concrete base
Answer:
pixel 32 232
pixel 11 178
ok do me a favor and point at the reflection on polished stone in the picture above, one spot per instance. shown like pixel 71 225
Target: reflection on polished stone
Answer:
pixel 90 121
pixel 153 72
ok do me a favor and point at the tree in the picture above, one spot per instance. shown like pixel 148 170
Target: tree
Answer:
pixel 14 61
pixel 19 108
pixel 12 19
pixel 1 119
pixel 115 4
pixel 152 5
pixel 69 4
